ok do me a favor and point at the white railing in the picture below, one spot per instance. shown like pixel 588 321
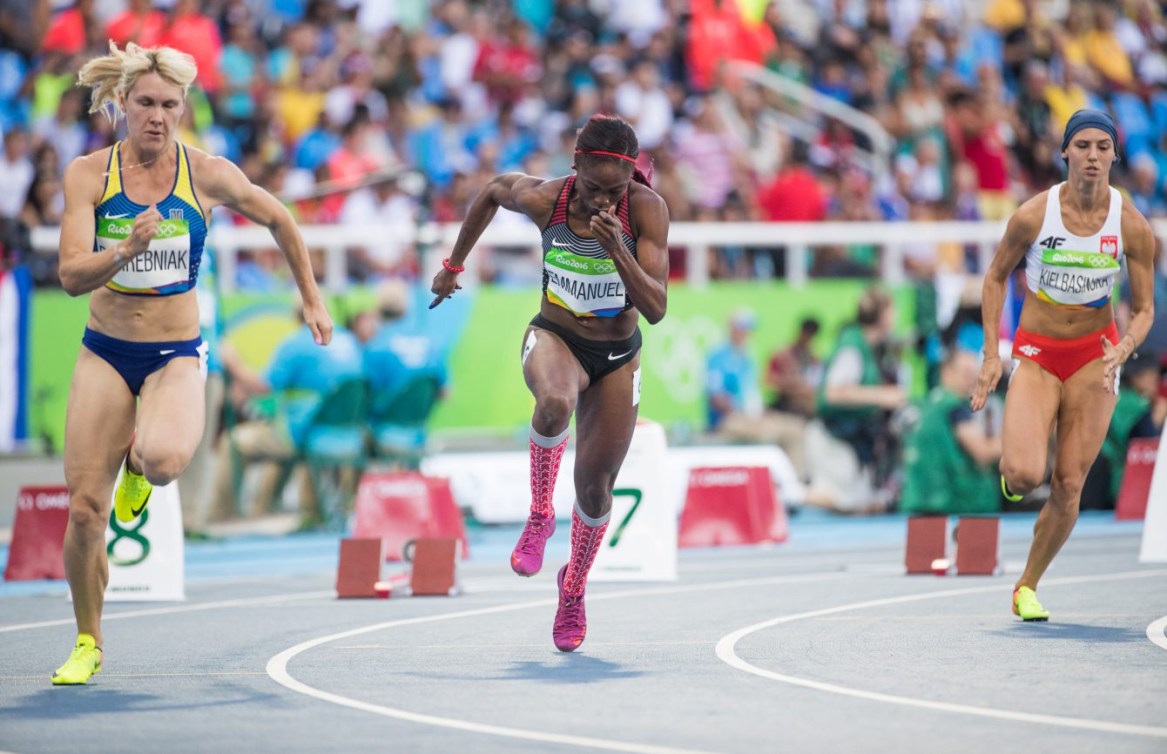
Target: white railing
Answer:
pixel 877 160
pixel 436 240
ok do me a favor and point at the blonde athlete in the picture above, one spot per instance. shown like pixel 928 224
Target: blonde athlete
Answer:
pixel 1073 238
pixel 135 221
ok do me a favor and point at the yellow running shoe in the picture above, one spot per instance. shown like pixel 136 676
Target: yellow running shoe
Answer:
pixel 83 663
pixel 1011 497
pixel 132 494
pixel 1025 604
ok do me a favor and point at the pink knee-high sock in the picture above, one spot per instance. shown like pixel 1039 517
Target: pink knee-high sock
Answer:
pixel 587 534
pixel 546 453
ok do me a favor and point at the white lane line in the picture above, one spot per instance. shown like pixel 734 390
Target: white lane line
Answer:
pixel 1156 631
pixel 277 666
pixel 726 651
pixel 244 602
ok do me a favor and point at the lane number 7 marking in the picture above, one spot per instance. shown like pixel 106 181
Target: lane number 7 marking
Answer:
pixel 637 496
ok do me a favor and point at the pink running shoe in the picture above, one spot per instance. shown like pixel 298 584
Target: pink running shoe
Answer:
pixel 571 624
pixel 527 558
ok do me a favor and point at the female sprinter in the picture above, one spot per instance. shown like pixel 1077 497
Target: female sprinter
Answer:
pixel 133 231
pixel 605 263
pixel 1073 238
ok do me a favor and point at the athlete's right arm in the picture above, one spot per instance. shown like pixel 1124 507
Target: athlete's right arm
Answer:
pixel 80 269
pixel 1019 234
pixel 517 192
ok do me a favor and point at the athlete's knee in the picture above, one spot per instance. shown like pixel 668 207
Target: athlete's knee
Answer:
pixel 88 513
pixel 162 465
pixel 553 412
pixel 1021 478
pixel 1066 486
pixel 595 495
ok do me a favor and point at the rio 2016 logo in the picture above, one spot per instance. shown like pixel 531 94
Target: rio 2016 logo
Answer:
pixel 134 534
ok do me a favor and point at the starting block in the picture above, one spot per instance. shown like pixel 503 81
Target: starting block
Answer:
pixel 434 570
pixel 435 567
pixel 38 534
pixel 927 543
pixel 977 540
pixel 359 570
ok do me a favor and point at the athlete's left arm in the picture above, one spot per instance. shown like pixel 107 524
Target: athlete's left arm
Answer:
pixel 224 183
pixel 1139 245
pixel 645 276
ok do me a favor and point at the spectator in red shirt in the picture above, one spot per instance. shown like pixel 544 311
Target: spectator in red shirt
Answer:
pixel 975 137
pixel 140 23
pixel 795 194
pixel 718 32
pixel 197 35
pixel 506 67
pixel 66 32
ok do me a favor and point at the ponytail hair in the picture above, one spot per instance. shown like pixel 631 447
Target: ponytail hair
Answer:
pixel 114 75
pixel 612 137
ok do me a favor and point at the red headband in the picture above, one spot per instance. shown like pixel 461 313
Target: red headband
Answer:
pixel 607 154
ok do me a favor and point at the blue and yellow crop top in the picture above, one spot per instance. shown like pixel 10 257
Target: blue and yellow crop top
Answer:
pixel 1075 271
pixel 171 264
pixel 577 273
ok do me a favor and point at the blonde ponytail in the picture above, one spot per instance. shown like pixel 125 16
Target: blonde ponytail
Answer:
pixel 116 73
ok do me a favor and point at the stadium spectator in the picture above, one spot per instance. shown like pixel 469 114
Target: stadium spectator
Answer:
pixel 16 173
pixel 847 446
pixel 733 396
pixel 299 377
pixel 950 458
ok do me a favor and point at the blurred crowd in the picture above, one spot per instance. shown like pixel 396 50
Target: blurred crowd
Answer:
pixel 397 112
pixel 327 103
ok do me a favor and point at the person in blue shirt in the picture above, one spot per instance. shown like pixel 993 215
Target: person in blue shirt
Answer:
pixel 734 407
pixel 397 352
pixel 299 377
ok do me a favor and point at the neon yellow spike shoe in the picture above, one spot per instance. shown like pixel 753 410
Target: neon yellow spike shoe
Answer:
pixel 1011 497
pixel 132 494
pixel 1026 606
pixel 83 663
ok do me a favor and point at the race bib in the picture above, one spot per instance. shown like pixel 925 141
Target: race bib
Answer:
pixel 1076 278
pixel 584 286
pixel 165 263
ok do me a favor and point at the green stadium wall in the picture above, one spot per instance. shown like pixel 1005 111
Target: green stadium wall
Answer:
pixel 486 386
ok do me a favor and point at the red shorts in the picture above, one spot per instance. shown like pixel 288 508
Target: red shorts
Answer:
pixel 1062 357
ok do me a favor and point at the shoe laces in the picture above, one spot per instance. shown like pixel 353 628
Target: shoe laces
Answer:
pixel 532 537
pixel 569 615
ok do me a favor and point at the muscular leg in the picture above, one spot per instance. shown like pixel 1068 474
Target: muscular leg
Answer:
pixel 170 421
pixel 98 424
pixel 1031 405
pixel 604 423
pixel 556 379
pixel 1082 422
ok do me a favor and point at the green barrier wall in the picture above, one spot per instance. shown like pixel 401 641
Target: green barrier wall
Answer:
pixel 487 390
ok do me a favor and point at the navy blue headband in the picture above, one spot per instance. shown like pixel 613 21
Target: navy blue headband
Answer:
pixel 1090 119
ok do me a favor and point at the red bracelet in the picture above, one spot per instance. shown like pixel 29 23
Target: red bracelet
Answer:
pixel 451 268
